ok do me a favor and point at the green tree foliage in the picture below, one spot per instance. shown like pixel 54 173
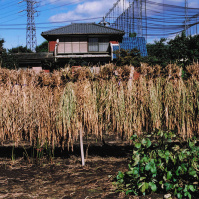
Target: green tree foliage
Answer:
pixel 181 50
pixel 42 47
pixel 128 57
pixel 158 53
pixel 1 45
pixel 7 60
pixel 184 49
pixel 19 49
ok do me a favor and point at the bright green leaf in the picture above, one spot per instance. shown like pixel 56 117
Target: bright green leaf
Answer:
pixel 144 159
pixel 120 175
pixel 142 178
pixel 138 145
pixel 153 186
pixel 192 172
pixel 148 167
pixel 148 144
pixel 191 144
pixel 169 175
pixel 168 186
pixel 130 172
pixel 179 195
pixel 189 195
pixel 167 153
pixel 161 154
pixel 144 141
pixel 129 191
pixel 144 187
pixel 154 175
pixel 191 187
pixel 153 170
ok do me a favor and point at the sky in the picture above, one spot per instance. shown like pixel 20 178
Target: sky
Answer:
pixel 52 14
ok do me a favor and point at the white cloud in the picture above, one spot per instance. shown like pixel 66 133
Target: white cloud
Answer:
pixel 59 2
pixel 193 4
pixel 98 8
pixel 63 1
pixel 65 17
pixel 89 9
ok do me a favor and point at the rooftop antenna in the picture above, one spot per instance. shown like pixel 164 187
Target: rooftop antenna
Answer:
pixel 104 22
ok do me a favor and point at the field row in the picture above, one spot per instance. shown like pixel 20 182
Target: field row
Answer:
pixel 107 105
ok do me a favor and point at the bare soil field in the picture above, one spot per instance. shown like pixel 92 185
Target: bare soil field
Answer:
pixel 64 177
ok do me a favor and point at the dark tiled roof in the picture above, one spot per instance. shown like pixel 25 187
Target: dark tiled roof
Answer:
pixel 83 28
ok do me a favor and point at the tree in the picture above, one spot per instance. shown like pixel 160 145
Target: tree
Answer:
pixel 7 60
pixel 19 49
pixel 193 46
pixel 42 47
pixel 178 48
pixel 128 57
pixel 181 50
pixel 1 45
pixel 158 53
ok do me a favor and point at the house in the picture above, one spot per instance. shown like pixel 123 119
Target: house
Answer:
pixel 87 41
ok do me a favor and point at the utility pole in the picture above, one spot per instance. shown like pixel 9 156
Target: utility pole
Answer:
pixel 31 38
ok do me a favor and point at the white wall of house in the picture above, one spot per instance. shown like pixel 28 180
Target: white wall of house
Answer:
pixel 72 45
pixel 77 45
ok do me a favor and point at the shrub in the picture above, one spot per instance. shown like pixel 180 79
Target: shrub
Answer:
pixel 161 166
pixel 128 57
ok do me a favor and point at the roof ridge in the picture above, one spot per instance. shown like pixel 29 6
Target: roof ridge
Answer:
pixel 83 28
pixel 83 23
pixel 109 27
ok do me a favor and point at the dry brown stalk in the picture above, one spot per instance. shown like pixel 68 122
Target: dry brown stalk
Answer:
pixel 54 107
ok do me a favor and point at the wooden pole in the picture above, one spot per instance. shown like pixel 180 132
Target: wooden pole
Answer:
pixel 81 146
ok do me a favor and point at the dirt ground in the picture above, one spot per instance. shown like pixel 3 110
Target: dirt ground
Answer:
pixel 64 177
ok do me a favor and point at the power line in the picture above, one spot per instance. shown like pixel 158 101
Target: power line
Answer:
pixel 155 18
pixel 58 22
pixel 7 5
pixel 62 5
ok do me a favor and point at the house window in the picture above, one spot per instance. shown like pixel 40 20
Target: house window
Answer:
pixel 103 44
pixel 98 44
pixel 73 45
pixel 93 45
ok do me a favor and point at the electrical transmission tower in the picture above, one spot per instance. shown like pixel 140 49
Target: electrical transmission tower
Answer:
pixel 31 38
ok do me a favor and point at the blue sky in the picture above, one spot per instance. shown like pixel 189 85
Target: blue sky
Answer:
pixel 52 14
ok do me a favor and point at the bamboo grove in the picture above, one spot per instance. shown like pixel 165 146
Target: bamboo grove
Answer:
pixel 53 107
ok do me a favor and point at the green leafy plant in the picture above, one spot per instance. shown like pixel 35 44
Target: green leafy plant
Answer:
pixel 25 154
pixel 161 162
pixel 13 154
pixel 43 151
